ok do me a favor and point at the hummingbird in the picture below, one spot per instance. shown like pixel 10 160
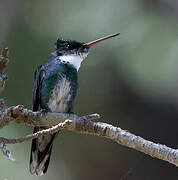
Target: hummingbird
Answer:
pixel 55 89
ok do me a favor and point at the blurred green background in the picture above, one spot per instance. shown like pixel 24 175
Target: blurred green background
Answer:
pixel 131 80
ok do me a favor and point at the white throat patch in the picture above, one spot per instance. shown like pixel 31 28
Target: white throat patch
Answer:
pixel 75 60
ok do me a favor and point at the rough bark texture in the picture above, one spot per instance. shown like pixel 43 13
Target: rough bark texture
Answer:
pixel 83 125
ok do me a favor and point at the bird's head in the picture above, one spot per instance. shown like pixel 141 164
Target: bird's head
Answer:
pixel 75 52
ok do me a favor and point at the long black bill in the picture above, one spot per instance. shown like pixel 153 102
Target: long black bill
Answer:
pixel 92 43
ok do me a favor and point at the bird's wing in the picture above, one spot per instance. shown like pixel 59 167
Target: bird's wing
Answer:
pixel 41 147
pixel 38 79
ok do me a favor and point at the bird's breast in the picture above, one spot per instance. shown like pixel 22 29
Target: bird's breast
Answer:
pixel 61 96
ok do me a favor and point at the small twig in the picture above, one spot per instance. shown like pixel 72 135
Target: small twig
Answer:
pixel 3 64
pixel 51 130
pixel 6 151
pixel 4 59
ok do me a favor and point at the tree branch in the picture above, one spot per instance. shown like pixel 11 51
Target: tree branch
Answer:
pixel 3 64
pixel 83 125
pixel 63 123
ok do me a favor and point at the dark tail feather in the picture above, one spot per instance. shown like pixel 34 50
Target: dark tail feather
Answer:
pixel 40 153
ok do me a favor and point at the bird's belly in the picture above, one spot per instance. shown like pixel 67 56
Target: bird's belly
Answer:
pixel 60 97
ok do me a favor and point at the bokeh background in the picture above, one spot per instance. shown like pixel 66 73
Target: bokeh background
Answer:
pixel 131 80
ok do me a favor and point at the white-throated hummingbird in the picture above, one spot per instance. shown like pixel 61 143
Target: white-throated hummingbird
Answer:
pixel 55 88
